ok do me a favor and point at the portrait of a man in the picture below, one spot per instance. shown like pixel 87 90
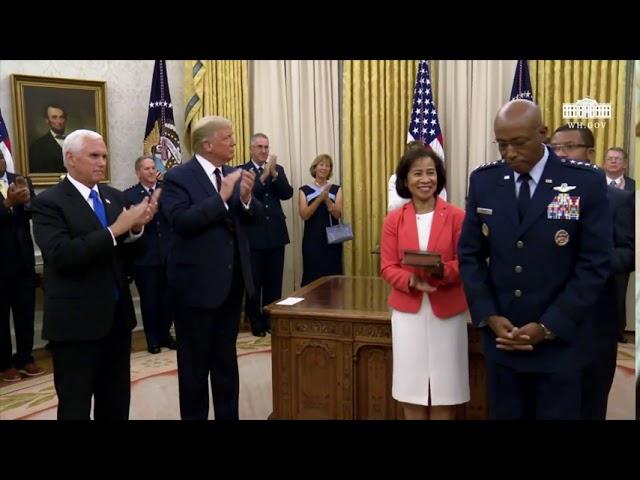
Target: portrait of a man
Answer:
pixel 45 153
pixel 46 110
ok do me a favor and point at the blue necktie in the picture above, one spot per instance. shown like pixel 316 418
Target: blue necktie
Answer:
pixel 524 197
pixel 98 207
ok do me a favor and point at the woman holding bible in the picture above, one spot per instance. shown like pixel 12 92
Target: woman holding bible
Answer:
pixel 428 306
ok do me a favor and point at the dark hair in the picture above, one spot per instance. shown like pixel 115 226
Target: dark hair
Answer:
pixel 414 144
pixel 139 160
pixel 53 105
pixel 585 133
pixel 407 161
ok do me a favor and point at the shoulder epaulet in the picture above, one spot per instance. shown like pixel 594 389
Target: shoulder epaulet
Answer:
pixel 568 162
pixel 489 165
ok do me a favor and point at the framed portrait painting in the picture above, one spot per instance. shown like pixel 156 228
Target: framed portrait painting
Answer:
pixel 45 110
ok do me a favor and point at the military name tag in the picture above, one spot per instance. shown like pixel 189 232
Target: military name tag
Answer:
pixel 484 211
pixel 564 207
pixel 561 238
pixel 485 229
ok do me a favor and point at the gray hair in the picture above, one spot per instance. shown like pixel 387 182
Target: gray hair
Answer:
pixel 256 136
pixel 205 127
pixel 75 141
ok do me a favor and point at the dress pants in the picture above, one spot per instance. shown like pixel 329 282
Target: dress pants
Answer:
pixel 98 369
pixel 17 295
pixel 597 377
pixel 207 349
pixel 155 303
pixel 517 395
pixel 266 267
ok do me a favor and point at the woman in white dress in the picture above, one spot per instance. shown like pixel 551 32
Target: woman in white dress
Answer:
pixel 429 309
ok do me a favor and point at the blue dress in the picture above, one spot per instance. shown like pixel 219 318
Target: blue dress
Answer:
pixel 319 259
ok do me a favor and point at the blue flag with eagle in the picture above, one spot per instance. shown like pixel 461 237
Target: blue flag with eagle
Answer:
pixel 521 88
pixel 161 137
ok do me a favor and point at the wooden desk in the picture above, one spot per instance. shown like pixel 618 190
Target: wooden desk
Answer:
pixel 331 354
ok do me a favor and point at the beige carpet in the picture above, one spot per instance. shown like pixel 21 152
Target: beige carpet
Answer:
pixel 154 386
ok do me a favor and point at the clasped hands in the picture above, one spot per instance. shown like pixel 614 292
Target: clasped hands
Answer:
pixel 512 338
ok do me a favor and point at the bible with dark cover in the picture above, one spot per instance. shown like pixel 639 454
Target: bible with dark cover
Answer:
pixel 420 258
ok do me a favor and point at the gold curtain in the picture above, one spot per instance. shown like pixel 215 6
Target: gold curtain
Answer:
pixel 377 97
pixel 566 81
pixel 219 87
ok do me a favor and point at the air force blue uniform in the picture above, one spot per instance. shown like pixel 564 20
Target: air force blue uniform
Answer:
pixel 267 239
pixel 151 275
pixel 547 268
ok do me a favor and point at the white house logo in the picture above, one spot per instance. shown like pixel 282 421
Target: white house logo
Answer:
pixel 586 108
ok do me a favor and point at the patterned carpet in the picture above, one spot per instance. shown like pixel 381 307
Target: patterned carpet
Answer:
pixel 154 386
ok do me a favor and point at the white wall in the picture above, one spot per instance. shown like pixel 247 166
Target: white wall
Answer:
pixel 128 88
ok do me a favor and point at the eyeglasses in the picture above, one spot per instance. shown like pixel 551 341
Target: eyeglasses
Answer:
pixel 567 147
pixel 515 144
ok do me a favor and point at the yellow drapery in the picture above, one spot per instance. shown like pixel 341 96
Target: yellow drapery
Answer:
pixel 219 87
pixel 377 97
pixel 566 81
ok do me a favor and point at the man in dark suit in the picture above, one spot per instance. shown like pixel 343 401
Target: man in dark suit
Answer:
pixel 267 237
pixel 45 154
pixel 207 204
pixel 534 252
pixel 615 163
pixel 87 239
pixel 150 272
pixel 609 311
pixel 17 276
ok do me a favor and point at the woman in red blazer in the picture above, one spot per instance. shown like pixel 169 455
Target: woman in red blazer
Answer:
pixel 429 309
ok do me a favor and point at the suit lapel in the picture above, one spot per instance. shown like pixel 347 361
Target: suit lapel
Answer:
pixel 543 195
pixel 201 176
pixel 408 229
pixel 439 219
pixel 80 205
pixel 111 205
pixel 506 194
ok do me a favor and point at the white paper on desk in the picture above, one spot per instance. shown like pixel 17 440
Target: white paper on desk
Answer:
pixel 290 301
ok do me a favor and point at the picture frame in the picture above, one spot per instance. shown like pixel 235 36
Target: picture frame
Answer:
pixel 45 110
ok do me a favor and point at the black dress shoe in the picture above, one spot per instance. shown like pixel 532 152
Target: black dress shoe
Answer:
pixel 154 349
pixel 171 344
pixel 258 333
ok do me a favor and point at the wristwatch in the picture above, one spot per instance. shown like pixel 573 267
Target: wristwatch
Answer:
pixel 548 334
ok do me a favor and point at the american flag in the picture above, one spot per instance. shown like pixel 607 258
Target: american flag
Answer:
pixel 522 83
pixel 161 137
pixel 5 145
pixel 424 125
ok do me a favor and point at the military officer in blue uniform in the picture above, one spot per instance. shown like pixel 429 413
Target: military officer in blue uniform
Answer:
pixel 268 236
pixel 150 269
pixel 597 377
pixel 534 252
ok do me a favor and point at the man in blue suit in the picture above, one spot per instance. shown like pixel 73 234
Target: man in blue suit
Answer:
pixel 534 252
pixel 150 273
pixel 17 276
pixel 208 204
pixel 268 237
pixel 609 311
